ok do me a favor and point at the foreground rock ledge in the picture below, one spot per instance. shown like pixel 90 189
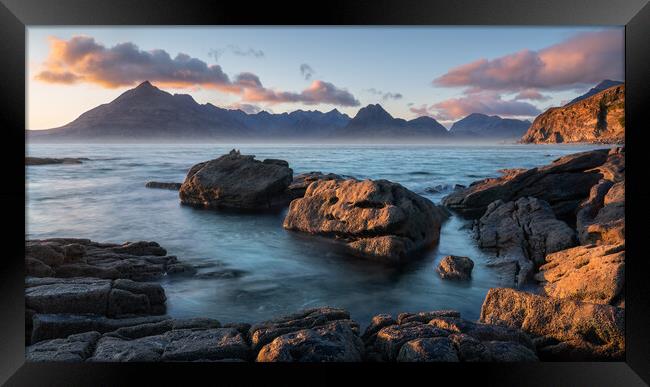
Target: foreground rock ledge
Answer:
pixel 314 335
pixel 377 219
pixel 563 329
pixel 237 181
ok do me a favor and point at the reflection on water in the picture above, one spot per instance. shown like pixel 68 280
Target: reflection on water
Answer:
pixel 250 267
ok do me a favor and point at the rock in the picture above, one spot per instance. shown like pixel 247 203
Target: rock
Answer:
pixel 160 327
pixel 50 160
pixel 470 349
pixel 93 296
pixel 84 258
pixel 114 349
pixel 208 344
pixel 377 322
pixel 301 181
pixel 601 219
pixel 237 181
pixel 390 339
pixel 181 269
pixel 335 341
pixel 75 348
pixel 598 118
pixel 265 332
pixel 482 332
pixel 524 231
pixel 455 267
pixel 78 295
pixel 376 219
pixel 36 268
pixel 52 326
pixel 586 273
pixel 425 317
pixel 47 253
pixel 580 331
pixel 564 184
pixel 163 185
pixel 507 351
pixel 428 350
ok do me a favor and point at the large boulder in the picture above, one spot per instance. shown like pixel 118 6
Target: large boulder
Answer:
pixel 376 219
pixel 237 181
pixel 564 184
pixel 335 341
pixel 524 231
pixel 586 273
pixel 564 329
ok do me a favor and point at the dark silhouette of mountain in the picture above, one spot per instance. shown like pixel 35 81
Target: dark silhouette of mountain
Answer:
pixel 477 125
pixel 373 122
pixel 148 113
pixel 603 85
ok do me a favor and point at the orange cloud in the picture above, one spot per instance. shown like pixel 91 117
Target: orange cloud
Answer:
pixel 82 59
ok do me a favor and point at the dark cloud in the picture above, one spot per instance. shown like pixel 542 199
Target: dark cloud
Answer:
pixel 385 96
pixel 317 92
pixel 247 52
pixel 307 71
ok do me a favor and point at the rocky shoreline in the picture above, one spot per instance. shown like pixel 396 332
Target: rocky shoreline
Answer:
pixel 558 229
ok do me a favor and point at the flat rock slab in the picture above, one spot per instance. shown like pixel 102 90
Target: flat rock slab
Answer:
pixel 94 297
pixel 75 348
pixel 50 160
pixel 68 257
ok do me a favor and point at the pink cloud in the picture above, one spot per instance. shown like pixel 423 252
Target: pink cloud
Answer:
pixel 531 95
pixel 585 58
pixel 82 59
pixel 489 103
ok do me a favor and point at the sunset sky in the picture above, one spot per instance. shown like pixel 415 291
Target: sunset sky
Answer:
pixel 443 72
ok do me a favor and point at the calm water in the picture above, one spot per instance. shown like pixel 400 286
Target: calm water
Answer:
pixel 280 272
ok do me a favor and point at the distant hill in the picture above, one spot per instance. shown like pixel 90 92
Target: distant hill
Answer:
pixel 598 118
pixel 603 85
pixel 373 122
pixel 479 125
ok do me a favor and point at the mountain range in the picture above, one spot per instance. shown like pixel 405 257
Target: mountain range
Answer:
pixel 146 113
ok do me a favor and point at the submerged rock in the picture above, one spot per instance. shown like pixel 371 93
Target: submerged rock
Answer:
pixel 586 273
pixel 163 185
pixel 564 329
pixel 377 219
pixel 524 231
pixel 237 181
pixel 50 160
pixel 564 184
pixel 455 267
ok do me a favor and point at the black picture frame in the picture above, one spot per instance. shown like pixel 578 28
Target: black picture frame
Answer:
pixel 16 15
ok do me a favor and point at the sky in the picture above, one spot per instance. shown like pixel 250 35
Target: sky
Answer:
pixel 442 72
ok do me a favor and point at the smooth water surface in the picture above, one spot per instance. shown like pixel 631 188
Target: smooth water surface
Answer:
pixel 251 268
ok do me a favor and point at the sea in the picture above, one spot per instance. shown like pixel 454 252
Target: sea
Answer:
pixel 250 269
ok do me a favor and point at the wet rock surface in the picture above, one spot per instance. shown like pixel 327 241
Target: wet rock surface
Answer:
pixel 237 181
pixel 375 219
pixel 562 329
